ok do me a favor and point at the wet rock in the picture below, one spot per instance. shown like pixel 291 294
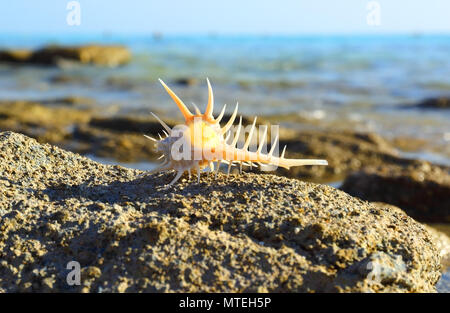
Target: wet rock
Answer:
pixel 92 54
pixel 47 124
pixel 259 233
pixel 186 81
pixel 123 146
pixel 69 123
pixel 435 103
pixel 246 121
pixel 69 101
pixel 409 144
pixel 345 152
pixel 122 83
pixel 53 55
pixel 69 79
pixel 130 124
pixel 15 56
pixel 420 188
pixel 121 137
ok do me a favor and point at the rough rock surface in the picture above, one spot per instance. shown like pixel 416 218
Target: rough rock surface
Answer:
pixel 441 236
pixel 53 55
pixel 439 233
pixel 418 187
pixel 238 233
pixel 442 241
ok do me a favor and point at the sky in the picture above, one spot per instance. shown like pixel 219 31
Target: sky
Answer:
pixel 225 17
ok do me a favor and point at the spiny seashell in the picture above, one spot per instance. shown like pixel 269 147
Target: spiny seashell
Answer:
pixel 200 142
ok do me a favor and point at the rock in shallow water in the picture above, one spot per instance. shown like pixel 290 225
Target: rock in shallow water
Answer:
pixel 345 152
pixel 102 55
pixel 435 103
pixel 50 123
pixel 420 188
pixel 238 233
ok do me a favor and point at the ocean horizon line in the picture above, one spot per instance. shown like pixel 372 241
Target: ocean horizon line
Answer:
pixel 226 34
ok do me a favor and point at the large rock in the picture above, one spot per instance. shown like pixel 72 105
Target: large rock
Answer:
pixel 435 103
pixel 47 123
pixel 53 55
pixel 71 123
pixel 420 188
pixel 345 152
pixel 15 56
pixel 122 146
pixel 238 233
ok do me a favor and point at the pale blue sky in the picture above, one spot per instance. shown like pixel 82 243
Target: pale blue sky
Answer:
pixel 227 16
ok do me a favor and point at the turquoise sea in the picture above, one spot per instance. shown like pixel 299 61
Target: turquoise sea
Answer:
pixel 359 82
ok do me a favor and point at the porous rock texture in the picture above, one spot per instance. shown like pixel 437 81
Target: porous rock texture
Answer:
pixel 246 232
